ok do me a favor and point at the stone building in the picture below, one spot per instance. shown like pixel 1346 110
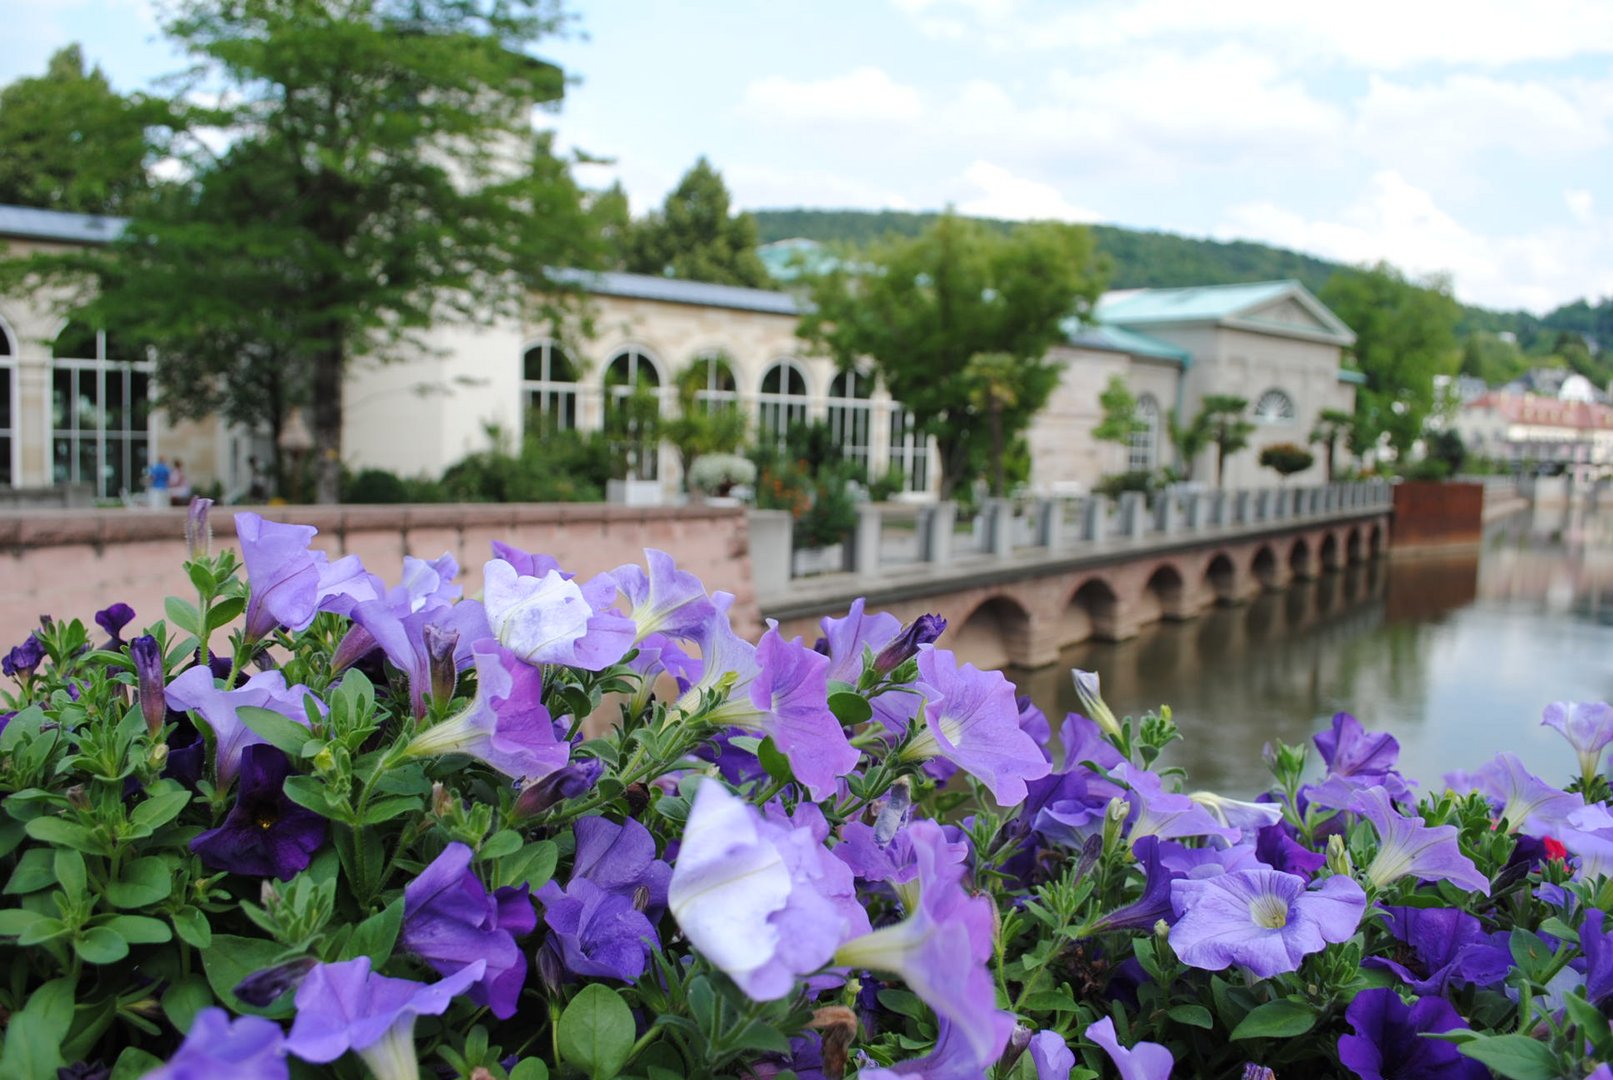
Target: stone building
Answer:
pixel 76 406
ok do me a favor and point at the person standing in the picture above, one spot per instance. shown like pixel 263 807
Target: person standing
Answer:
pixel 178 485
pixel 157 484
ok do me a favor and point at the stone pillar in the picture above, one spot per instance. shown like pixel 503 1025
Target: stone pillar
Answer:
pixel 1094 516
pixel 1167 516
pixel 935 532
pixel 1194 512
pixel 771 550
pixel 1219 509
pixel 1263 504
pixel 1133 512
pixel 1050 524
pixel 863 549
pixel 1242 507
pixel 999 515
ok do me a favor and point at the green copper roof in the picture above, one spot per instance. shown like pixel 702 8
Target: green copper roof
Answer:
pixel 1238 306
pixel 1118 339
pixel 1352 376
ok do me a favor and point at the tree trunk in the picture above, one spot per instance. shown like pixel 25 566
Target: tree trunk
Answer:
pixel 1330 443
pixel 953 459
pixel 327 426
pixel 1220 465
pixel 998 484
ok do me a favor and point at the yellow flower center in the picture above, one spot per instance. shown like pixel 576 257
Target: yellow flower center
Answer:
pixel 1269 911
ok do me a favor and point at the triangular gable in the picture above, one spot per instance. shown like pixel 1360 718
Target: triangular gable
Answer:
pixel 1297 309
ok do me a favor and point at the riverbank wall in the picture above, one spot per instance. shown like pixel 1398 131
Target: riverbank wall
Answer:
pixel 1436 518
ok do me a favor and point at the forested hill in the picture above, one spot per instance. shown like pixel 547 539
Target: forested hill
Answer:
pixel 1140 259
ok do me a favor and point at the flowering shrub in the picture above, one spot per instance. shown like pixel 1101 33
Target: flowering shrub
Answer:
pixel 386 830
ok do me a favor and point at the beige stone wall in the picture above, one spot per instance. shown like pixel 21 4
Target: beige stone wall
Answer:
pixel 1065 458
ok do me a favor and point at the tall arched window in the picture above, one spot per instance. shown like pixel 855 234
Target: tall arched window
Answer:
pixel 1141 452
pixel 782 403
pixel 851 415
pixel 711 379
pixel 909 450
pixel 8 408
pixel 100 412
pixel 1274 407
pixel 549 388
pixel 633 411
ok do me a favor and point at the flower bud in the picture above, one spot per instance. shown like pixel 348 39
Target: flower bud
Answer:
pixel 894 814
pixel 1251 1071
pixel 325 761
pixel 355 645
pixel 77 797
pixel 157 756
pixel 198 533
pixel 1338 858
pixel 568 782
pixel 442 803
pixel 1097 710
pixel 921 631
pixel 1018 1042
pixel 440 645
pixel 261 988
pixel 148 673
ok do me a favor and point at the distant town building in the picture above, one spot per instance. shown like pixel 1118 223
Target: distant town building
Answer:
pixel 1529 431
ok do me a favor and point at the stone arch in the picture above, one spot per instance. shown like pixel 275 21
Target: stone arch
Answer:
pixel 1091 612
pixel 994 634
pixel 1301 563
pixel 1328 554
pixel 1263 567
pixel 1374 544
pixel 1164 596
pixel 1352 546
pixel 1221 578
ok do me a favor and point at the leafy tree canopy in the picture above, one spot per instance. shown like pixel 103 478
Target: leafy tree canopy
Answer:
pixel 921 308
pixel 69 142
pixel 1120 420
pixel 694 236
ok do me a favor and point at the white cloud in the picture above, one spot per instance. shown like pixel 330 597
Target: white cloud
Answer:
pixel 865 94
pixel 998 193
pixel 1395 220
pixel 762 186
pixel 1581 204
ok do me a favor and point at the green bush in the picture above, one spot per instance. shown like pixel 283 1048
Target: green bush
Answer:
pixel 374 486
pixel 559 466
pixel 1286 459
pixel 1115 484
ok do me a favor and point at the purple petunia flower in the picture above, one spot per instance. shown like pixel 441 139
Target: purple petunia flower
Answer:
pixel 405 637
pixel 664 599
pixel 346 1006
pixel 553 620
pixel 924 630
pixel 1144 1061
pixel 955 1057
pixel 846 639
pixel 1588 727
pixel 265 834
pixel 1597 946
pixel 289 582
pixel 1155 902
pixel 249 1048
pixel 594 933
pixel 1051 1055
pixel 1588 833
pixel 1276 846
pixel 1407 847
pixel 450 921
pixel 574 779
pixel 148 675
pixel 972 720
pixel 943 946
pixel 113 619
pixel 620 858
pixel 763 901
pixel 194 691
pixel 1388 1043
pixel 1355 759
pixel 1264 920
pixel 1166 814
pixel 506 725
pixel 1447 946
pixel 20 662
pixel 1521 798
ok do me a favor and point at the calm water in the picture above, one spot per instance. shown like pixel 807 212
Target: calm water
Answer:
pixel 1455 656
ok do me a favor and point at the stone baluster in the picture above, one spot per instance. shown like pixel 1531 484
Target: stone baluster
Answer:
pixel 999 515
pixel 865 541
pixel 1050 524
pixel 1094 516
pixel 1133 514
pixel 935 532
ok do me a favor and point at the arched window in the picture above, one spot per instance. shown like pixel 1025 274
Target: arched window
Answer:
pixel 782 403
pixel 549 388
pixel 8 409
pixel 1274 407
pixel 851 415
pixel 100 412
pixel 909 450
pixel 710 379
pixel 1140 453
pixel 633 411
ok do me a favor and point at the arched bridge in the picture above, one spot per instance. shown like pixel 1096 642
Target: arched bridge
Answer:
pixel 1022 582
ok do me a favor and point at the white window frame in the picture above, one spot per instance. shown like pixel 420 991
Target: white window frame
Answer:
pixel 1142 449
pixel 555 398
pixel 102 366
pixel 1285 414
pixel 851 416
pixel 779 410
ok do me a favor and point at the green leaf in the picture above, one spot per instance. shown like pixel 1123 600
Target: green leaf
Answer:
pixel 530 1069
pixel 224 612
pixel 596 1031
pixel 774 761
pixel 1193 1016
pixel 183 614
pixel 1051 1001
pixel 904 1003
pixel 1280 1019
pixel 386 809
pixel 14 921
pixel 133 1064
pixel 1517 1057
pixel 56 831
pixel 159 807
pixel 502 843
pixel 184 999
pixel 34 1036
pixel 849 708
pixel 375 936
pixel 36 870
pixel 143 882
pixel 192 927
pixel 101 945
pixel 139 929
pixel 276 730
pixel 311 793
pixel 231 959
pixel 1589 1019
pixel 532 865
pixel 70 872
pixel 41 930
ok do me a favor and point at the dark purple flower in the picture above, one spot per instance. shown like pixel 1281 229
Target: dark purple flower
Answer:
pixel 1445 946
pixel 923 630
pixel 1349 750
pixel 264 986
pixel 1155 902
pixel 1388 1043
pixel 345 1006
pixel 574 779
pixel 20 662
pixel 450 921
pixel 113 619
pixel 1276 846
pixel 1033 722
pixel 596 934
pixel 265 834
pixel 620 858
pixel 249 1048
pixel 193 691
pixel 149 679
pixel 1263 920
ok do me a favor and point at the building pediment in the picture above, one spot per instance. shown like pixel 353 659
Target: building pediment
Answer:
pixel 1284 308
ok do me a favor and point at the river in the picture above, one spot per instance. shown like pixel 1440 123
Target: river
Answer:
pixel 1456 656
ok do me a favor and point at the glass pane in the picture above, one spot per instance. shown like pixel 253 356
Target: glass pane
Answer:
pixel 5 397
pixel 5 461
pixel 61 399
pixel 86 470
pixel 561 369
pixel 140 399
pixel 773 381
pixel 117 415
pixel 61 461
pixel 797 382
pixel 75 342
pixel 114 470
pixel 139 458
pixel 532 365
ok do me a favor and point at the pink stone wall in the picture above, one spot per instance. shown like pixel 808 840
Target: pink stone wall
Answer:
pixel 71 564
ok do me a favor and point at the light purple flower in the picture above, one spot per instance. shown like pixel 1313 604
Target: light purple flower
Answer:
pixel 345 1006
pixel 847 638
pixel 553 620
pixel 942 949
pixel 620 858
pixel 1247 817
pixel 1588 727
pixel 249 1048
pixel 505 725
pixel 1264 920
pixel 1597 946
pixel 762 901
pixel 1144 1061
pixel 194 691
pixel 450 921
pixel 954 1056
pixel 972 720
pixel 1197 862
pixel 1390 1044
pixel 1356 758
pixel 289 583
pixel 1522 799
pixel 401 634
pixel 1588 834
pixel 664 600
pixel 1051 1055
pixel 1408 847
pixel 1166 814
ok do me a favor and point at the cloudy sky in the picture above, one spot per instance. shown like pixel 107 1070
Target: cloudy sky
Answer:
pixel 1473 137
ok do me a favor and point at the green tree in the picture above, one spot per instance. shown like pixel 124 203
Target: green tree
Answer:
pixel 1120 420
pixel 996 381
pixel 1331 426
pixel 1286 459
pixel 1223 424
pixel 68 141
pixel 1190 440
pixel 702 427
pixel 385 178
pixel 1492 358
pixel 922 308
pixel 695 237
pixel 1405 335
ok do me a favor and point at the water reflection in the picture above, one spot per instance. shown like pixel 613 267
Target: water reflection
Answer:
pixel 1456 656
